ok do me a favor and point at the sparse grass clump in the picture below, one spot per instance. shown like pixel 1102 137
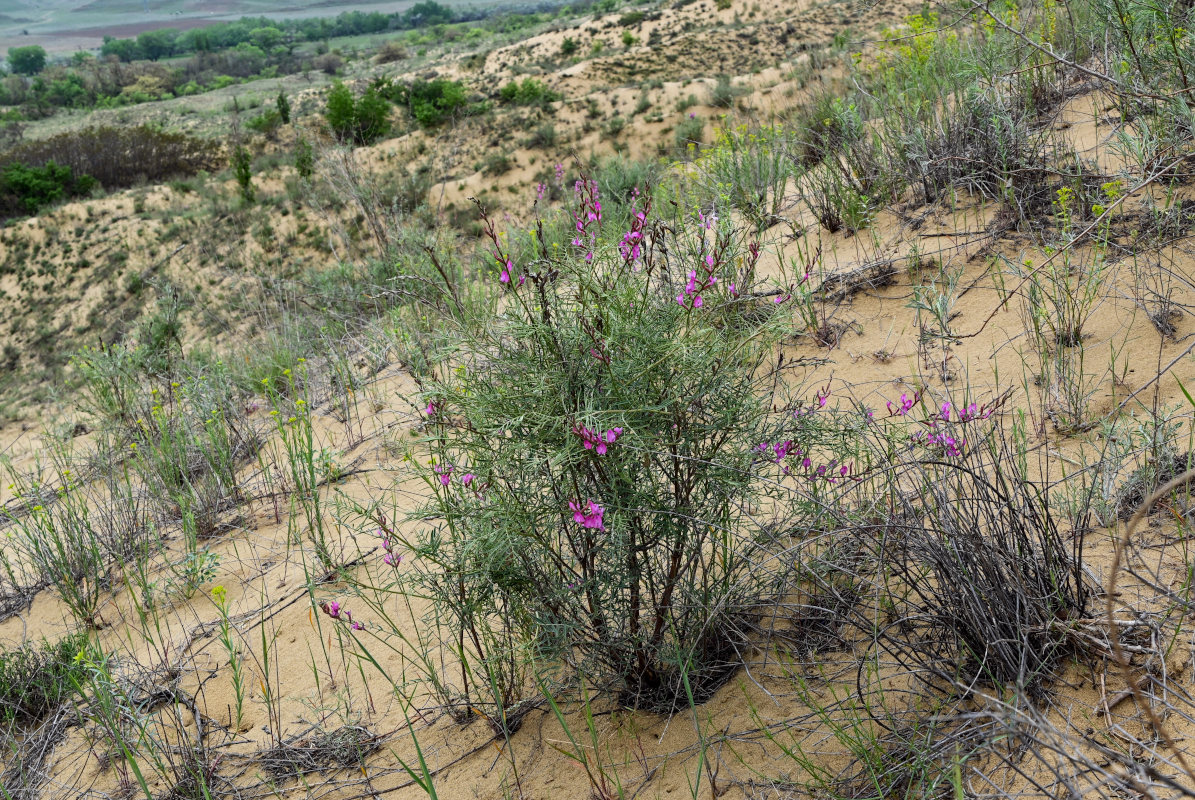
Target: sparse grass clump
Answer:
pixel 35 679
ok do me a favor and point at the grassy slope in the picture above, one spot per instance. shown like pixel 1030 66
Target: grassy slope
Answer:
pixel 232 269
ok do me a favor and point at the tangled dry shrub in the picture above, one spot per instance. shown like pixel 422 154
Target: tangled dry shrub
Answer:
pixel 120 156
pixel 990 580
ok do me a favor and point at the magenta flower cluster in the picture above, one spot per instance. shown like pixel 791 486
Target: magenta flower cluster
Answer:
pixel 631 246
pixel 588 217
pixel 444 473
pixel 334 610
pixel 819 402
pixel 597 441
pixel 904 406
pixel 942 441
pixel 588 515
pixel 778 451
pixel 505 263
pixel 831 472
pixel 972 411
pixel 391 558
pixel 691 296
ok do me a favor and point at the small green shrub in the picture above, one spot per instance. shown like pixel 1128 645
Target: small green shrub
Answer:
pixel 433 102
pixel 304 158
pixel 529 92
pixel 242 167
pixel 27 189
pixel 267 123
pixel 725 93
pixel 688 132
pixel 496 164
pixel 34 680
pixel 590 491
pixel 357 121
pixel 543 136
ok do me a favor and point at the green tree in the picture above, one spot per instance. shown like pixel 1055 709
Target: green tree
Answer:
pixel 124 49
pixel 568 46
pixel 373 117
pixel 304 159
pixel 283 108
pixel 341 111
pixel 157 44
pixel 433 102
pixel 428 13
pixel 361 121
pixel 242 164
pixel 35 187
pixel 266 38
pixel 28 60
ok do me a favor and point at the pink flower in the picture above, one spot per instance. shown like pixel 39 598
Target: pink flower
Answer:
pixel 588 516
pixel 431 409
pixel 467 478
pixel 905 406
pixel 593 440
pixel 357 626
pixel 445 474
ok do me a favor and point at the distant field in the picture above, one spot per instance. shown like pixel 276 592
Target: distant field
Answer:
pixel 65 26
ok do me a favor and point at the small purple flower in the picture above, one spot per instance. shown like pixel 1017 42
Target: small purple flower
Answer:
pixel 587 516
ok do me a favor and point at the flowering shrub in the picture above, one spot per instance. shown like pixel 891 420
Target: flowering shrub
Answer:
pixel 595 454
